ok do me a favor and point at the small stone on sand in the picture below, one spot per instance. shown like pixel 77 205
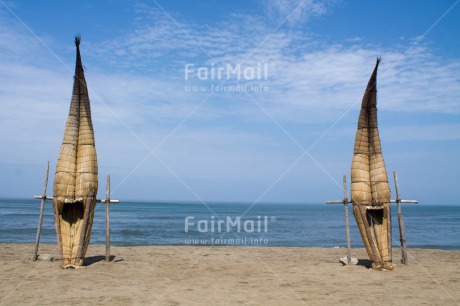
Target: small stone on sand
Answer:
pixel 344 260
pixel 45 257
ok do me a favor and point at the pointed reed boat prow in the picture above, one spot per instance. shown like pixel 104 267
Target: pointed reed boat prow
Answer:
pixel 76 181
pixel 370 191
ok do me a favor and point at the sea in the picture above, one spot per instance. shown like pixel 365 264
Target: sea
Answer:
pixel 237 224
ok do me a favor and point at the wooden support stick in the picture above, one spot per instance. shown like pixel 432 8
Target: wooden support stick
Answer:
pixel 111 201
pixel 341 201
pixel 404 201
pixel 107 221
pixel 336 202
pixel 107 202
pixel 347 222
pixel 42 208
pixel 402 232
pixel 103 200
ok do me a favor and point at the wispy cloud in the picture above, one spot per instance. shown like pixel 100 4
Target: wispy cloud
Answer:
pixel 140 76
pixel 297 12
pixel 426 132
pixel 305 75
pixel 308 80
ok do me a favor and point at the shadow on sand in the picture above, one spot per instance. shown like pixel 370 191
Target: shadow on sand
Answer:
pixel 365 263
pixel 94 259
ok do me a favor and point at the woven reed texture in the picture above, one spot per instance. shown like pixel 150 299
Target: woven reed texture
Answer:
pixel 369 180
pixel 76 181
pixel 380 221
pixel 362 230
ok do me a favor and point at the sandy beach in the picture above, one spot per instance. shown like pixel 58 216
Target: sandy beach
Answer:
pixel 188 275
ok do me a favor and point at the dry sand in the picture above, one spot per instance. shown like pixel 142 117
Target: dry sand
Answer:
pixel 188 275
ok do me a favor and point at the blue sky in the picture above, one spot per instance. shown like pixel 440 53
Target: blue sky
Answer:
pixel 290 142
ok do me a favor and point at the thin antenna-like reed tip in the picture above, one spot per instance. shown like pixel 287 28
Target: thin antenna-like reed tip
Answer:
pixel 77 40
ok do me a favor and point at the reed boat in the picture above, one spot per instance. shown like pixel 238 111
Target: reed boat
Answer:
pixel 370 191
pixel 76 181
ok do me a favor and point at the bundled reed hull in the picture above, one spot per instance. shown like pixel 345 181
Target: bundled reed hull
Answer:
pixel 370 191
pixel 75 181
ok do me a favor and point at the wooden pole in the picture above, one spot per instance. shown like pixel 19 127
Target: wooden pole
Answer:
pixel 107 221
pixel 362 212
pixel 402 232
pixel 107 202
pixel 42 208
pixel 347 222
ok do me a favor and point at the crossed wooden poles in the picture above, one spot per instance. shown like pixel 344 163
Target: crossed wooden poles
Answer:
pixel 398 201
pixel 107 202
